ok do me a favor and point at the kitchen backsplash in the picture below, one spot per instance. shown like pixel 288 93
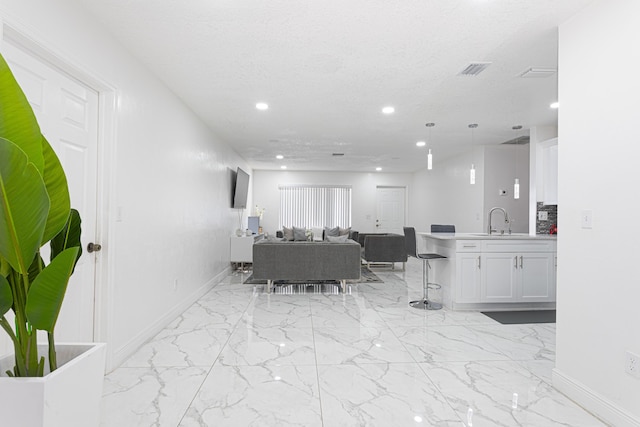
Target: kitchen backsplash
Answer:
pixel 542 226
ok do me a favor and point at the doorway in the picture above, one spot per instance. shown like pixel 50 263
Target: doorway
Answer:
pixel 390 209
pixel 68 114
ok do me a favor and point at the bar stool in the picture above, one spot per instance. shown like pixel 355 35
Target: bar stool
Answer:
pixel 412 250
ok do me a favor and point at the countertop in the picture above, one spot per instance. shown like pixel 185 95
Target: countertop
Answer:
pixel 485 236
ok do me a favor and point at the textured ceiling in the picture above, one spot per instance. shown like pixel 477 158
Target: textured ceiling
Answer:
pixel 326 68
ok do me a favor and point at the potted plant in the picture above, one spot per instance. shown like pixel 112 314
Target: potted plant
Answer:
pixel 35 211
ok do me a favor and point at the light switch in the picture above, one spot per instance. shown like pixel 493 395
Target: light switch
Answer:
pixel 587 219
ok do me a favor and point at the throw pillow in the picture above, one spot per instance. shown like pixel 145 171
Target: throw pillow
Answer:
pixel 287 233
pixel 333 232
pixel 337 239
pixel 317 234
pixel 344 231
pixel 299 234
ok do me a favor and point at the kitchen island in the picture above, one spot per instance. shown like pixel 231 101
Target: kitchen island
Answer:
pixel 494 272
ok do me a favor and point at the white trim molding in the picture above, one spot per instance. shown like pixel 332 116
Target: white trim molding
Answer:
pixel 593 402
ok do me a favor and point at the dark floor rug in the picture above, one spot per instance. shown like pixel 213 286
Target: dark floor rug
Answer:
pixel 522 317
pixel 366 276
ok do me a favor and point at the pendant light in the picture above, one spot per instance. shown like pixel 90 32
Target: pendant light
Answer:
pixel 472 171
pixel 430 156
pixel 516 183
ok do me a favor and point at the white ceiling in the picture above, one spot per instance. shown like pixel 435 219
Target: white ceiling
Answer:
pixel 327 67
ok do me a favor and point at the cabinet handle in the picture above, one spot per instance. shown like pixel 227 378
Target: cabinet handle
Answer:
pixel 515 261
pixel 478 262
pixel 521 261
pixel 468 246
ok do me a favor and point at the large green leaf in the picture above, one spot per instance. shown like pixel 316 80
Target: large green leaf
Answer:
pixel 47 291
pixel 36 266
pixel 56 183
pixel 24 207
pixel 6 297
pixel 69 236
pixel 17 121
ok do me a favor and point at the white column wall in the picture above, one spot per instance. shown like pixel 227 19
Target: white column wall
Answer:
pixel 598 289
pixel 171 180
pixel 363 203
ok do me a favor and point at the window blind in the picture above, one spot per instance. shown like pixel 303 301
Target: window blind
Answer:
pixel 315 206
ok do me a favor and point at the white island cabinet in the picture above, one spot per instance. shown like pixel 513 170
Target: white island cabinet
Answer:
pixel 495 272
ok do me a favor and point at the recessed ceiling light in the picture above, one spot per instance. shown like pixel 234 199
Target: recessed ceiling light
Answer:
pixel 554 105
pixel 279 157
pixel 378 169
pixel 421 143
pixel 283 167
pixel 262 106
pixel 388 110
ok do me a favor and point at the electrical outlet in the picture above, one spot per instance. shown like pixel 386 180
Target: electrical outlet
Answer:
pixel 632 364
pixel 543 215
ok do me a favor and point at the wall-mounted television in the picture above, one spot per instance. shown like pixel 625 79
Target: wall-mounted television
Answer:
pixel 241 190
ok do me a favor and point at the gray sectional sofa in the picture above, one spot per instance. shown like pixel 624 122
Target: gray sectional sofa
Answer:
pixel 301 260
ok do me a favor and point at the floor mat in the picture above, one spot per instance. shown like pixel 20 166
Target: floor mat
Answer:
pixel 522 317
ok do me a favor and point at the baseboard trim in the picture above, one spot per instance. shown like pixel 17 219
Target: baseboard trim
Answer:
pixel 124 352
pixel 593 402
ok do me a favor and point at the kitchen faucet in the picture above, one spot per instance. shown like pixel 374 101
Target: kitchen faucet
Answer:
pixel 506 220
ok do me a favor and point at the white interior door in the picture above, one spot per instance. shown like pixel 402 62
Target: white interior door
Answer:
pixel 67 112
pixel 390 209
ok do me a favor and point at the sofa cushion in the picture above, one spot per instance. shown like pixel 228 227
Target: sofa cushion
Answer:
pixel 344 231
pixel 337 239
pixel 317 234
pixel 287 233
pixel 335 232
pixel 299 234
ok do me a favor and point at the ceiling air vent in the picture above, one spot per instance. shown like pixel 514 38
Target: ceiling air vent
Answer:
pixel 536 73
pixel 337 154
pixel 474 68
pixel 521 140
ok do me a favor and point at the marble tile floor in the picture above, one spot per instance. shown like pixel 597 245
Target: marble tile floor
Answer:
pixel 240 357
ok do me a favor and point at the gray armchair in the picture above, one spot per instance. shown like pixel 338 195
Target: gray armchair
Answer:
pixel 383 248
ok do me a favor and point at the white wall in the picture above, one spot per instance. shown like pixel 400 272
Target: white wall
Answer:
pixel 502 164
pixel 443 195
pixel 598 288
pixel 363 209
pixel 171 180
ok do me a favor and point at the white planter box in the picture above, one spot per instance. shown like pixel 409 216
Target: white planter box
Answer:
pixel 70 396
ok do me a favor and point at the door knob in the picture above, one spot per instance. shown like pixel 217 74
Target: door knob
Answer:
pixel 93 247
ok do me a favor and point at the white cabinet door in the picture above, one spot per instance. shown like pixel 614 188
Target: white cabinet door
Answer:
pixel 468 268
pixel 499 277
pixel 537 277
pixel 241 249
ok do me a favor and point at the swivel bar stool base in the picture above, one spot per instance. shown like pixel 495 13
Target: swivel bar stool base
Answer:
pixel 424 303
pixel 411 247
